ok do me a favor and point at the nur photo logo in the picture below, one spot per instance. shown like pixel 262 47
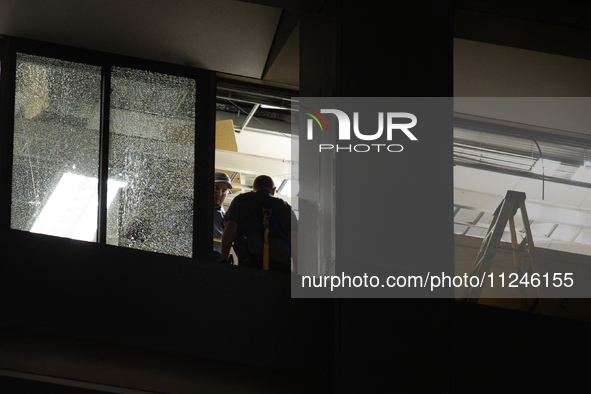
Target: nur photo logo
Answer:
pixel 390 122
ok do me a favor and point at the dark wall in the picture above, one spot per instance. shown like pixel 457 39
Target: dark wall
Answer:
pixel 14 386
pixel 401 50
pixel 155 301
pixel 235 314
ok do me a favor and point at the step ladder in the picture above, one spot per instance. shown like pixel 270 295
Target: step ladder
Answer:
pixel 504 213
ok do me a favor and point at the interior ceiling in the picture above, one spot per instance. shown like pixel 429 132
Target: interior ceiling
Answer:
pixel 231 37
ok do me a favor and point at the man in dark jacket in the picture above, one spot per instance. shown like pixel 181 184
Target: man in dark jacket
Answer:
pixel 257 221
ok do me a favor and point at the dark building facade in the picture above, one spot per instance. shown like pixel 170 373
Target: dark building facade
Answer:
pixel 119 317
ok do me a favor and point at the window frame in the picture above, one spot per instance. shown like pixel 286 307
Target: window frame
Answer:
pixel 204 146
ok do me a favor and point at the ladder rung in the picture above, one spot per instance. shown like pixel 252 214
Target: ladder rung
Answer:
pixel 520 250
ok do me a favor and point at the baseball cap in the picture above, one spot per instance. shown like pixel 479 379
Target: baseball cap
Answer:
pixel 223 177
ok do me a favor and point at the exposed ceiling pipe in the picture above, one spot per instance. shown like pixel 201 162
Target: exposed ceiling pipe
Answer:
pixel 249 117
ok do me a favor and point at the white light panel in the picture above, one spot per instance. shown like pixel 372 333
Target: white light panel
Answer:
pixel 72 208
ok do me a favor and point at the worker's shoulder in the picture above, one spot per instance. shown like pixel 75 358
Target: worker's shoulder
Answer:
pixel 242 197
pixel 254 198
pixel 281 202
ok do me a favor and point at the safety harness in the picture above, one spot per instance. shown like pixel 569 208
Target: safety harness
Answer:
pixel 272 232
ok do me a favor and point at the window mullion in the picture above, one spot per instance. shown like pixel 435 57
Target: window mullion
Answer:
pixel 204 164
pixel 7 92
pixel 104 154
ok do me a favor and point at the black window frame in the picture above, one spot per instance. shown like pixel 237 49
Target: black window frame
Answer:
pixel 204 147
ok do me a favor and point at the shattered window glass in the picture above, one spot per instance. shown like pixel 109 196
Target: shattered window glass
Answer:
pixel 56 147
pixel 151 157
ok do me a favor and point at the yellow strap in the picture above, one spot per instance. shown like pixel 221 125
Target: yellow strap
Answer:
pixel 266 251
pixel 266 216
pixel 217 239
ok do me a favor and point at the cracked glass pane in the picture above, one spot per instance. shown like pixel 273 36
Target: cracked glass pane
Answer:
pixel 56 147
pixel 151 156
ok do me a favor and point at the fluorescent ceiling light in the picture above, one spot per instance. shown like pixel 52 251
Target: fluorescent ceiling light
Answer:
pixel 550 167
pixel 72 208
pixel 286 190
pixel 267 106
pixel 583 174
pixel 284 187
